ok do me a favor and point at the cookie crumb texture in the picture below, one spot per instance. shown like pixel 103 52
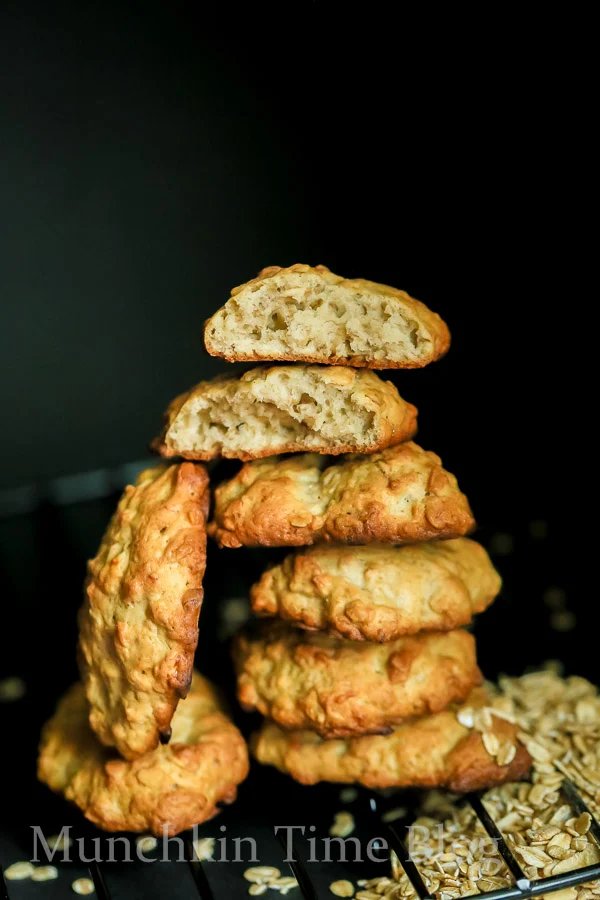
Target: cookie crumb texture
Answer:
pixel 285 409
pixel 138 625
pixel 312 315
pixel 399 495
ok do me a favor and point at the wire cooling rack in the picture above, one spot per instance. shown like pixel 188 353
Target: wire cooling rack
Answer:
pixel 180 876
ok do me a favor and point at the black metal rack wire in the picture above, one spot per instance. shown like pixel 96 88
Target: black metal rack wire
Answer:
pixel 213 880
pixel 524 887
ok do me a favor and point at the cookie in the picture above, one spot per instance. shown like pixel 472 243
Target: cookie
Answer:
pixel 310 314
pixel 138 625
pixel 399 495
pixel 379 592
pixel 432 751
pixel 166 790
pixel 341 688
pixel 285 409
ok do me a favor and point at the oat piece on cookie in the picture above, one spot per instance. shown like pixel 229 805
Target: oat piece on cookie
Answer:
pixel 342 688
pixel 399 495
pixel 379 592
pixel 432 751
pixel 284 409
pixel 138 625
pixel 172 787
pixel 311 315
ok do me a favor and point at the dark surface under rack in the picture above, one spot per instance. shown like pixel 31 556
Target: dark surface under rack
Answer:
pixel 176 874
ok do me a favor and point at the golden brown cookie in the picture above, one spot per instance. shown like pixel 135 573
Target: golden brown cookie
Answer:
pixel 310 314
pixel 399 495
pixel 284 409
pixel 379 592
pixel 170 788
pixel 433 751
pixel 341 688
pixel 138 625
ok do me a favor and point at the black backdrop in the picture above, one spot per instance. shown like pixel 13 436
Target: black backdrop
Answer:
pixel 154 156
pixel 152 159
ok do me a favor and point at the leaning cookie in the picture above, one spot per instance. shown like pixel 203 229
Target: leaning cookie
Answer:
pixel 310 314
pixel 399 495
pixel 284 409
pixel 434 751
pixel 138 625
pixel 165 791
pixel 341 688
pixel 379 592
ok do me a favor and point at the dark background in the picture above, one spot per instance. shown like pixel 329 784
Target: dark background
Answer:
pixel 152 157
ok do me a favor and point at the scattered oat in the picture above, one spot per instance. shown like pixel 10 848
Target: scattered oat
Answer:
pixel 582 824
pixel 537 794
pixel 348 795
pixel 560 816
pixel 342 888
pixel 262 874
pixel 563 620
pixel 59 842
pixel 11 689
pixel 83 886
pixel 559 722
pixel 264 877
pixel 146 843
pixel 466 717
pixel 392 815
pixel 19 871
pixel 343 825
pixel 506 753
pixel 559 847
pixel 284 884
pixel 534 856
pixel 576 861
pixel 44 873
pixel 204 848
pixel 490 742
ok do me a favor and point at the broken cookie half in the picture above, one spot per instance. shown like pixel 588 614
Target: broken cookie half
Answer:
pixel 286 409
pixel 312 315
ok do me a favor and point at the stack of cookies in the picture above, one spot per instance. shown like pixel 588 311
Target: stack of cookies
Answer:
pixel 121 745
pixel 364 673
